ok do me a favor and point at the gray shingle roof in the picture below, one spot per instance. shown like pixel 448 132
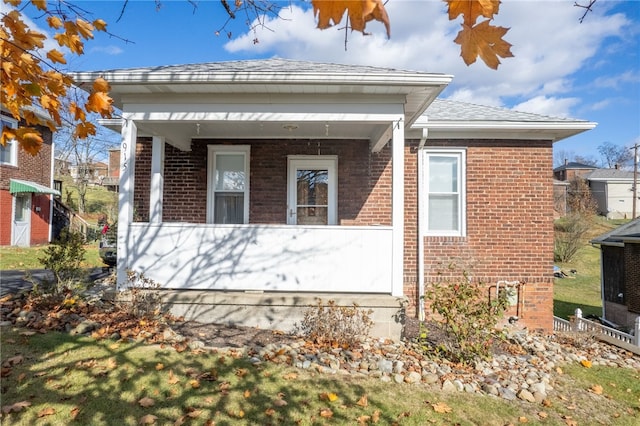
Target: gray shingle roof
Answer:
pixel 628 230
pixel 574 165
pixel 449 110
pixel 268 66
pixel 609 174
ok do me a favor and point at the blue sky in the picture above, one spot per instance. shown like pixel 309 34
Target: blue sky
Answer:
pixel 561 67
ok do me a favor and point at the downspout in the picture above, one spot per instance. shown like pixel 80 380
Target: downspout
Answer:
pixel 51 170
pixel 421 313
pixel 604 315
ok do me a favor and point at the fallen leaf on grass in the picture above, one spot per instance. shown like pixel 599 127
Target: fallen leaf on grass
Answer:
pixel 279 402
pixel 586 363
pixel 326 413
pixel 328 396
pixel 46 412
pixel 441 407
pixel 363 401
pixel 111 364
pixel 74 412
pixel 173 379
pixel 146 402
pixel 246 393
pixel 269 412
pixel 149 419
pixel 241 372
pixel 195 384
pixel 159 366
pixel 543 415
pixel 363 420
pixel 290 376
pixel 523 419
pixel 14 360
pixel 15 407
pixel 597 389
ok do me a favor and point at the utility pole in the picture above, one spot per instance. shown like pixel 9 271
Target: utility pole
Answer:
pixel 635 180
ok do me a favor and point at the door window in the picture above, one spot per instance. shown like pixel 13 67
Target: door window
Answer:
pixel 312 191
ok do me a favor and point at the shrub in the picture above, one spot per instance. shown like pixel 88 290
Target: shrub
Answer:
pixel 64 258
pixel 333 325
pixel 468 315
pixel 569 236
pixel 142 297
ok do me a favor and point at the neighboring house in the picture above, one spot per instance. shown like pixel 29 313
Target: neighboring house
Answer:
pixel 92 173
pixel 26 193
pixel 620 260
pixel 560 192
pixel 112 180
pixel 613 191
pixel 249 188
pixel 571 170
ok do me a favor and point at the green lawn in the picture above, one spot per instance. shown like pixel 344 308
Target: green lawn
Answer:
pixel 582 289
pixel 55 378
pixel 18 258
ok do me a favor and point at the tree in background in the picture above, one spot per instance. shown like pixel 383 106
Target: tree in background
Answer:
pixel 571 231
pixel 615 155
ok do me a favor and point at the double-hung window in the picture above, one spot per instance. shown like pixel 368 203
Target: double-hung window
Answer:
pixel 228 183
pixel 443 183
pixel 9 152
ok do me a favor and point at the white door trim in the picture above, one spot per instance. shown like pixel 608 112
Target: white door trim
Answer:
pixel 297 162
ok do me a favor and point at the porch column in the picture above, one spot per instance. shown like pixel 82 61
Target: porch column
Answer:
pixel 397 208
pixel 125 198
pixel 157 180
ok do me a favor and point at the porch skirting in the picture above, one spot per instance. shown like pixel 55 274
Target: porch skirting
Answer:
pixel 279 310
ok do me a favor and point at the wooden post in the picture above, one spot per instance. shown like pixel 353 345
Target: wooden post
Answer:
pixel 576 325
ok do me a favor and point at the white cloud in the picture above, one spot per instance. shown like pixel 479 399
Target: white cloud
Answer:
pixel 555 107
pixel 110 50
pixel 549 45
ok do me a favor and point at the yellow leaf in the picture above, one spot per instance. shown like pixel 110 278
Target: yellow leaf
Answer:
pixel 149 419
pixel 194 384
pixel 441 407
pixel 40 4
pixel 247 393
pixel 111 363
pixel 146 402
pixel 523 419
pixel 84 130
pixel 159 366
pixel 483 40
pixel 46 412
pixel 100 25
pixel 29 139
pixel 54 22
pixel 99 102
pixel 328 396
pixel 56 56
pixel 543 415
pixel 586 363
pixel 597 389
pixel 84 28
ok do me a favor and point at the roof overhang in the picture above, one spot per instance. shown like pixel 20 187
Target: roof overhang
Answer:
pixel 25 186
pixel 185 104
pixel 524 130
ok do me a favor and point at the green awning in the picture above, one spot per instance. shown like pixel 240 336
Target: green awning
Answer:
pixel 16 185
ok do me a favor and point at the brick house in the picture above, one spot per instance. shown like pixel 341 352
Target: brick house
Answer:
pixel 26 194
pixel 620 281
pixel 249 188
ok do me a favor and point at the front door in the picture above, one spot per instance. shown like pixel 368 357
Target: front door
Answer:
pixel 21 232
pixel 312 198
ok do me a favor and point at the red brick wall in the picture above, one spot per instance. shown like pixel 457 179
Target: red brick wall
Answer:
pixel 35 169
pixel 509 222
pixel 364 181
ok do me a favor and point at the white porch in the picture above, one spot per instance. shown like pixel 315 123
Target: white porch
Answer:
pixel 334 259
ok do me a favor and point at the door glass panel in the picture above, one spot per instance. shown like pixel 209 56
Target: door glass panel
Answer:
pixel 312 196
pixel 21 209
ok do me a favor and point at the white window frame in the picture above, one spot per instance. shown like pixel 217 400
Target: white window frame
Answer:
pixel 213 152
pixel 460 154
pixel 11 145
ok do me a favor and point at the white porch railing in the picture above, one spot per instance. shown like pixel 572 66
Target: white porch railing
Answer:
pixel 263 257
pixel 629 341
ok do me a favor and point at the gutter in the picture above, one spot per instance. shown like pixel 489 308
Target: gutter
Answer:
pixel 421 313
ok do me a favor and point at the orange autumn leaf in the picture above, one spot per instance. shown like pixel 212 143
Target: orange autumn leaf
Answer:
pixel 99 102
pixel 46 412
pixel 472 9
pixel 56 56
pixel 29 139
pixel 100 25
pixel 363 401
pixel 441 407
pixel 18 406
pixel 485 41
pixel 159 366
pixel 330 12
pixel 586 363
pixel 84 28
pixel 100 85
pixel 326 413
pixel 54 22
pixel 597 389
pixel 173 379
pixel 40 4
pixel 148 419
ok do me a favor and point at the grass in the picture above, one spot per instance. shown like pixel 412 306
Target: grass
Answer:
pixel 99 201
pixel 582 290
pixel 20 258
pixel 60 379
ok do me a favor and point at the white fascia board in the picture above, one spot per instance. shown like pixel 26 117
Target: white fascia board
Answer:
pixel 503 130
pixel 146 77
pixel 260 116
pixel 628 180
